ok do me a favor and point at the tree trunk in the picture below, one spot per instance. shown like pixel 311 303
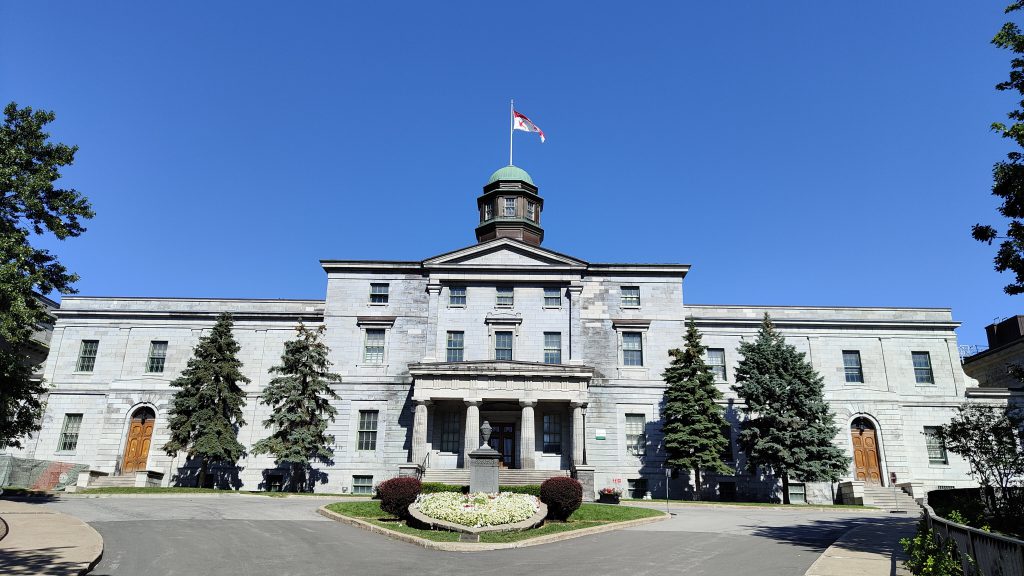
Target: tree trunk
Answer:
pixel 696 483
pixel 785 487
pixel 202 473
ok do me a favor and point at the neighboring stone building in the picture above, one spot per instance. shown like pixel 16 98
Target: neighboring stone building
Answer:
pixel 991 366
pixel 563 357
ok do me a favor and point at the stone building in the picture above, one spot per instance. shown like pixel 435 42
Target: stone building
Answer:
pixel 563 357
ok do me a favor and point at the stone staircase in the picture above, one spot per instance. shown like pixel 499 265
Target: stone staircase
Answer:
pixel 127 481
pixel 886 499
pixel 506 476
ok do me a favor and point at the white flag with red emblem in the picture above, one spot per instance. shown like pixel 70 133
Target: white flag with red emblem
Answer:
pixel 521 122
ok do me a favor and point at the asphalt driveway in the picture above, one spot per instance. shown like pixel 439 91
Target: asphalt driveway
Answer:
pixel 260 536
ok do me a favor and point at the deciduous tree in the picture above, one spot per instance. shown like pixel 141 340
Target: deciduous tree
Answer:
pixel 693 420
pixel 300 402
pixel 789 429
pixel 31 205
pixel 207 409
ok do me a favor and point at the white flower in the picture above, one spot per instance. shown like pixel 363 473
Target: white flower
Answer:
pixel 478 510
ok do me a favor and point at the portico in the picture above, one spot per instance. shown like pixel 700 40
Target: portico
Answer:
pixel 535 410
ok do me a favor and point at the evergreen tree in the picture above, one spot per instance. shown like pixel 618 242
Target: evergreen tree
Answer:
pixel 30 206
pixel 693 421
pixel 300 400
pixel 789 428
pixel 207 410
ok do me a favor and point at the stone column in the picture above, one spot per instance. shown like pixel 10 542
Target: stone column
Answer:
pixel 472 441
pixel 430 351
pixel 419 433
pixel 527 436
pixel 578 433
pixel 575 324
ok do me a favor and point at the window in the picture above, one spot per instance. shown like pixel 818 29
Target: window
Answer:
pixel 936 447
pixel 373 353
pixel 553 433
pixel 531 211
pixel 923 368
pixel 506 297
pixel 157 356
pixel 632 349
pixel 510 207
pixel 457 296
pixel 716 360
pixel 797 493
pixel 727 454
pixel 631 296
pixel 456 346
pixel 636 438
pixel 362 484
pixel 367 430
pixel 69 433
pixel 87 355
pixel 488 211
pixel 727 491
pixel 503 345
pixel 851 365
pixel 552 297
pixel 451 430
pixel 378 293
pixel 637 487
pixel 552 347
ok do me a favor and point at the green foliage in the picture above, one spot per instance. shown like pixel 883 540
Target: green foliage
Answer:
pixel 1008 175
pixel 207 409
pixel 694 422
pixel 30 206
pixel 434 487
pixel 988 437
pixel 300 401
pixel 927 556
pixel 789 427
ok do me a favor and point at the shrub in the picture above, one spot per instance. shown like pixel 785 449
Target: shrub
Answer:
pixel 397 494
pixel 531 489
pixel 435 487
pixel 563 495
pixel 926 556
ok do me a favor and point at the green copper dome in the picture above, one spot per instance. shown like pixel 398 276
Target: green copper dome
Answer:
pixel 511 173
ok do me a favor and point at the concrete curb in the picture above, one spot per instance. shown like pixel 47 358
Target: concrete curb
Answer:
pixel 60 543
pixel 202 495
pixel 483 547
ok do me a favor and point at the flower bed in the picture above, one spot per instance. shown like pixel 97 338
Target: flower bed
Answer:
pixel 477 510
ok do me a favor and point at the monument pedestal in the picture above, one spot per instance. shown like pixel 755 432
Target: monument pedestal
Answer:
pixel 483 465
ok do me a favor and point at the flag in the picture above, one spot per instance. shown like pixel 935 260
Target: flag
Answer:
pixel 520 122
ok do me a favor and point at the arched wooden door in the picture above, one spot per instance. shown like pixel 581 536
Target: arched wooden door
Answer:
pixel 140 435
pixel 866 462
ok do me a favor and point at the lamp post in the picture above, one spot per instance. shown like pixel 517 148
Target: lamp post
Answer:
pixel 583 410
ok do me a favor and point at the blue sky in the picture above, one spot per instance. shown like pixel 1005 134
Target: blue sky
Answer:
pixel 818 153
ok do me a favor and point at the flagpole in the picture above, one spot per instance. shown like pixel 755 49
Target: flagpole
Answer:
pixel 511 127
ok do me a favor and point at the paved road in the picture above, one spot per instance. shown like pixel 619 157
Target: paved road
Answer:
pixel 259 536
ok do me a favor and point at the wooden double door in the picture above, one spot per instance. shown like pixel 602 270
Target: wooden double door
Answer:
pixel 865 456
pixel 140 435
pixel 503 439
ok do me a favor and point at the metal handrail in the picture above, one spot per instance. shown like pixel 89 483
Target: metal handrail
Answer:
pixel 980 552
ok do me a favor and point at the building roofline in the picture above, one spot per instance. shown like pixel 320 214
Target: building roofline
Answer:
pixel 194 299
pixel 817 307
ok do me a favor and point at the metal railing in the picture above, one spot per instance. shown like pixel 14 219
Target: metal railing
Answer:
pixel 981 553
pixel 968 350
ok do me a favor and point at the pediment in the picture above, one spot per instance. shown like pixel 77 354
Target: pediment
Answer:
pixel 504 253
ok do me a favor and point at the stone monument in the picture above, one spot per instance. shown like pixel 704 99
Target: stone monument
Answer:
pixel 483 464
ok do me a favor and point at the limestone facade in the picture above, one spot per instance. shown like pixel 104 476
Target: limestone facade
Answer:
pixel 567 354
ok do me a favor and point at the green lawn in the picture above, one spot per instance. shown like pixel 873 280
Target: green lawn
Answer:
pixel 588 515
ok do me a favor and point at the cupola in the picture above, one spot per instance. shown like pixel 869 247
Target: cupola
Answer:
pixel 510 207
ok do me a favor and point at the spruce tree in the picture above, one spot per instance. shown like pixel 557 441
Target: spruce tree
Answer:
pixel 207 409
pixel 300 400
pixel 789 429
pixel 693 420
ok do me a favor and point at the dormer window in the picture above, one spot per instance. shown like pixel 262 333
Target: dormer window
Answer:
pixel 531 211
pixel 510 207
pixel 488 211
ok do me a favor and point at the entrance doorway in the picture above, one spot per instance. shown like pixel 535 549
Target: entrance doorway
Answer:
pixel 140 434
pixel 867 466
pixel 503 439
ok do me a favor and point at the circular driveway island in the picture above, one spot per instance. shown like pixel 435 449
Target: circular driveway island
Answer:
pixel 261 536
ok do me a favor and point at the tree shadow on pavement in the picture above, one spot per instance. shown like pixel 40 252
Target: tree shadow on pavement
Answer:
pixel 39 561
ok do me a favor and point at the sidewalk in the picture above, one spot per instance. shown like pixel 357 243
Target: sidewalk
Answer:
pixel 41 541
pixel 867 550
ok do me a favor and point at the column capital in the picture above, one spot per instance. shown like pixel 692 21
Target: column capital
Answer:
pixel 528 403
pixel 575 288
pixel 575 405
pixel 472 401
pixel 434 288
pixel 423 401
